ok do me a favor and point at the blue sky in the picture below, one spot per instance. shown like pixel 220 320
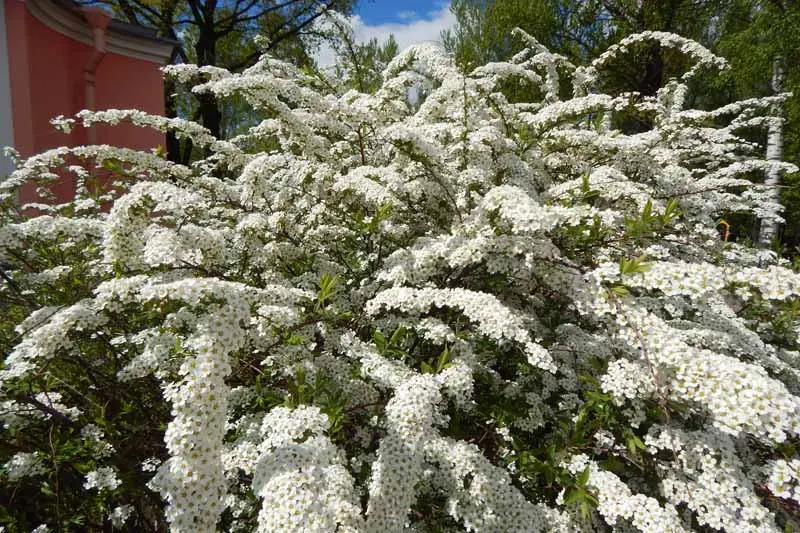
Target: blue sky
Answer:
pixel 410 21
pixel 376 12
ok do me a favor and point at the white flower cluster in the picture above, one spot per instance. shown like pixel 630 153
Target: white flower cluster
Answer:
pixel 707 475
pixel 16 415
pixel 783 478
pixel 410 418
pixel 491 317
pixel 371 315
pixel 617 501
pixel 481 495
pixel 119 515
pixel 699 55
pixel 22 465
pixel 192 479
pixel 45 342
pixel 737 395
pixel 301 477
pixel 96 439
pixel 104 477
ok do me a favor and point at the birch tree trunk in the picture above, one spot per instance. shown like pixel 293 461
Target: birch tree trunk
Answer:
pixel 769 228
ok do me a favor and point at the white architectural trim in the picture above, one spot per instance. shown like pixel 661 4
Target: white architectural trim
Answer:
pixel 6 118
pixel 70 22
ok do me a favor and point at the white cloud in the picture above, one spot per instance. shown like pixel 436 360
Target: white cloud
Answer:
pixel 407 15
pixel 406 33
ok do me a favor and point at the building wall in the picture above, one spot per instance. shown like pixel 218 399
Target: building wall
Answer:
pixel 47 79
pixel 128 83
pixel 6 125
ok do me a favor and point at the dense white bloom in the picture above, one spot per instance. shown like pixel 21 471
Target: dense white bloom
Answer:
pixel 301 477
pixel 708 476
pixel 411 415
pixel 370 315
pixel 492 318
pixel 119 515
pixel 104 477
pixel 24 464
pixel 783 478
pixel 616 501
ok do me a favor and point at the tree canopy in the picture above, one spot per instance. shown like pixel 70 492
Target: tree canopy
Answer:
pixel 751 34
pixel 225 34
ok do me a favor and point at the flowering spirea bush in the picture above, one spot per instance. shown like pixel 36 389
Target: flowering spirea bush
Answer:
pixel 473 312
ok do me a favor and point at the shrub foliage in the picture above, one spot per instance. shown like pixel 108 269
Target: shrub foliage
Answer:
pixel 369 314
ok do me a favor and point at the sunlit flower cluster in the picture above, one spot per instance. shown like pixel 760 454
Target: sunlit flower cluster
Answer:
pixel 478 311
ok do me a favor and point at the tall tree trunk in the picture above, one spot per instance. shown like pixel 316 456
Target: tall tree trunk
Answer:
pixel 209 112
pixel 171 111
pixel 170 87
pixel 206 49
pixel 769 228
pixel 653 72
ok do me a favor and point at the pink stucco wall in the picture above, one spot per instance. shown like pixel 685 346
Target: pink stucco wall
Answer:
pixel 47 79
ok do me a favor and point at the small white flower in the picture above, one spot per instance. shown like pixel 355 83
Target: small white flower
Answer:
pixel 104 477
pixel 120 515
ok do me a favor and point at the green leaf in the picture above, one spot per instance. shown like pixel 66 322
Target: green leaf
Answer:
pixel 612 464
pixel 574 495
pixel 380 341
pixel 113 165
pixel 634 443
pixel 327 290
pixel 620 290
pixel 633 266
pixel 295 340
pixel 383 212
pixel 398 336
pixel 671 211
pixel 647 212
pixel 444 360
pixel 46 490
pixel 583 479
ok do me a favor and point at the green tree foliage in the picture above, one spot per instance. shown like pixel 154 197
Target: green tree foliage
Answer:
pixel 222 33
pixel 751 34
pixel 579 30
pixel 483 32
pixel 360 66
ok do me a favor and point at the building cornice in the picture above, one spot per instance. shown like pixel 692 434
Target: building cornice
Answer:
pixel 69 21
